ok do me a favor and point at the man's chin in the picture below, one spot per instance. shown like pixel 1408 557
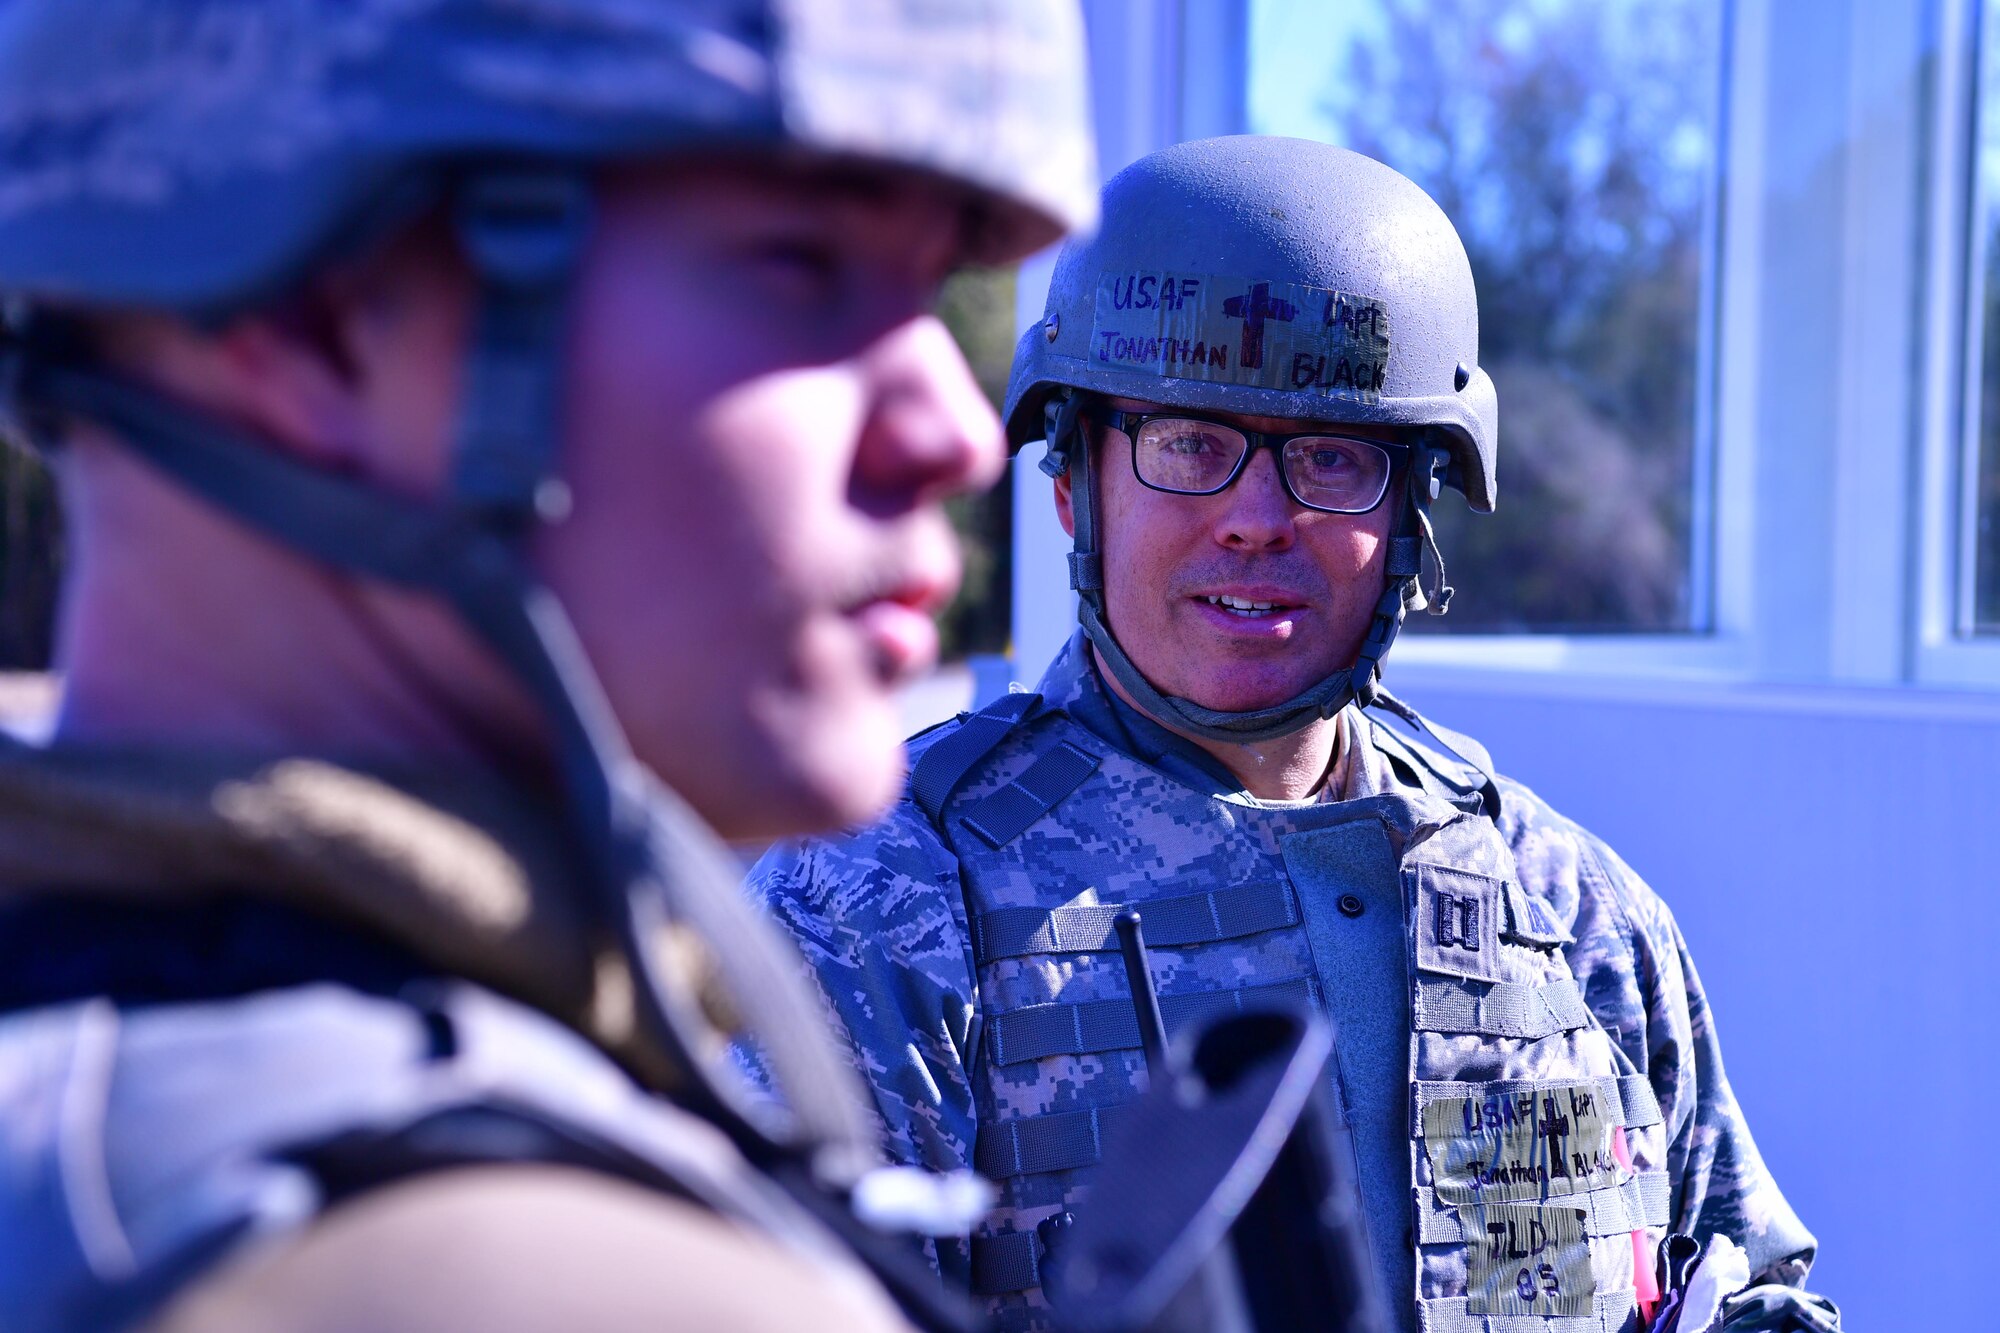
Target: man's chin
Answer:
pixel 810 779
pixel 1227 688
pixel 1250 698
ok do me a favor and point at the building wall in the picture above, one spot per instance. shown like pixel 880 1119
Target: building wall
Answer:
pixel 1831 855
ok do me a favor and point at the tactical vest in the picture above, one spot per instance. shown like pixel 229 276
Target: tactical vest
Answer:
pixel 142 1146
pixel 1509 1155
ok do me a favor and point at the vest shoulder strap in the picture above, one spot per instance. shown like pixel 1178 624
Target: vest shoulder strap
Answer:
pixel 945 765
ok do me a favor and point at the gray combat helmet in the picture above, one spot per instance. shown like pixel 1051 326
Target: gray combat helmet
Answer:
pixel 200 156
pixel 1267 277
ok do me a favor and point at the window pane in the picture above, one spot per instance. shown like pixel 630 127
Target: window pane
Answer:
pixel 977 305
pixel 1574 143
pixel 1982 509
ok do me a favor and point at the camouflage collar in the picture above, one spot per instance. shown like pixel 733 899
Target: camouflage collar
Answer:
pixel 1074 685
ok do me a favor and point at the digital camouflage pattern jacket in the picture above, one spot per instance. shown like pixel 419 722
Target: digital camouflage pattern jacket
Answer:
pixel 1479 975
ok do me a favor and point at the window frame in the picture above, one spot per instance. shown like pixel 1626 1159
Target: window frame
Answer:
pixel 1721 528
pixel 1946 651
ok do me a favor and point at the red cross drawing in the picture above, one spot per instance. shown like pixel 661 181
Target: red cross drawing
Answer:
pixel 1253 308
pixel 1555 1129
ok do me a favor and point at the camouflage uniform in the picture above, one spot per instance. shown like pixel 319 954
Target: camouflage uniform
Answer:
pixel 967 960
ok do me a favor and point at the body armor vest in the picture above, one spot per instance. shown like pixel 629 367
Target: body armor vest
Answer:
pixel 1509 1155
pixel 144 1146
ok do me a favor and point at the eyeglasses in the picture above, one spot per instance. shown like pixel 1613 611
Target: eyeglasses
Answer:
pixel 1192 455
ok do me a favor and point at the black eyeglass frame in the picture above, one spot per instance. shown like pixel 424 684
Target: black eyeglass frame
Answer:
pixel 1130 424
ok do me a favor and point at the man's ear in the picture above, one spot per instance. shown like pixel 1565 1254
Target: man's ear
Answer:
pixel 291 376
pixel 351 363
pixel 1065 515
pixel 260 371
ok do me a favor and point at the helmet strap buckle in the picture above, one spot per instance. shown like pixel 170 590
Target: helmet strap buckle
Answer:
pixel 1059 428
pixel 1427 478
pixel 523 232
pixel 1435 461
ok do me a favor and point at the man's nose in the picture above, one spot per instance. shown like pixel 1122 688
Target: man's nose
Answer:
pixel 930 433
pixel 1256 514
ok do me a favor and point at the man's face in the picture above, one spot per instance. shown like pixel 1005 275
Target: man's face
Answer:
pixel 1166 556
pixel 763 416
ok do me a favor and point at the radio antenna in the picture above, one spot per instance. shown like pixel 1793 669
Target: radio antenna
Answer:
pixel 1145 999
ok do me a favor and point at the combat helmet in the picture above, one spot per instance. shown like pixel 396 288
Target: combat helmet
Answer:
pixel 1274 277
pixel 201 156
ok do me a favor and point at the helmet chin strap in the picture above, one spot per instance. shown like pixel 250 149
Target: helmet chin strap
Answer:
pixel 1403 592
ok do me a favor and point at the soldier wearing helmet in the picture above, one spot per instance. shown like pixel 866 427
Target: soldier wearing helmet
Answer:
pixel 1253 381
pixel 502 447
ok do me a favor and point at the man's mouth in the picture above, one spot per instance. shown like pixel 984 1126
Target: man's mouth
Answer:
pixel 898 621
pixel 902 638
pixel 1246 607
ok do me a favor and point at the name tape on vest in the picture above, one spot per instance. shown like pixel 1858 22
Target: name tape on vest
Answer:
pixel 1224 330
pixel 1526 1258
pixel 1527 1143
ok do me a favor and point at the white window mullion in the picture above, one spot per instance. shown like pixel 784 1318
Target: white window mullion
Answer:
pixel 1954 286
pixel 1873 451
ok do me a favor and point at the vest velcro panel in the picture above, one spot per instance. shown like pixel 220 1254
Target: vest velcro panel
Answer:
pixel 1194 918
pixel 937 774
pixel 1008 1261
pixel 1006 814
pixel 1500 1008
pixel 1037 1031
pixel 1635 1094
pixel 1062 1141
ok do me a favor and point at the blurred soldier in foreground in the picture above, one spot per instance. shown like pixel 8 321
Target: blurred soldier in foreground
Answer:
pixel 445 394
pixel 1253 383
